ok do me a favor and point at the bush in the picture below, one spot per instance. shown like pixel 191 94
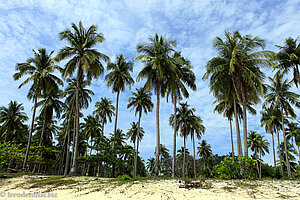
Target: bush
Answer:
pixel 125 177
pixel 237 168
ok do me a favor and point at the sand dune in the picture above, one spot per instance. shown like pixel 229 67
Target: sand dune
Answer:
pixel 88 188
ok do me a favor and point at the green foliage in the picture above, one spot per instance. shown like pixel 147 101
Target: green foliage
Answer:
pixel 237 168
pixel 297 172
pixel 54 180
pixel 125 177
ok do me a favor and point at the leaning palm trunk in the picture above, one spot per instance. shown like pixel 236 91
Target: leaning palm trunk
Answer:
pixel 238 135
pixel 74 138
pixel 174 139
pixel 30 133
pixel 74 169
pixel 273 151
pixel 195 175
pixel 157 133
pixel 260 165
pixel 285 146
pixel 115 130
pixel 298 151
pixel 183 162
pixel 134 147
pixel 281 167
pixel 231 138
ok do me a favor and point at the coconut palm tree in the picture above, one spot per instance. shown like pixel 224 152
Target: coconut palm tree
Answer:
pixel 293 134
pixel 205 152
pixel 12 119
pixel 258 145
pixel 281 97
pixel 291 151
pixel 135 134
pixel 289 58
pixel 177 84
pixel 158 63
pixel 151 165
pixel 40 70
pixel 270 118
pixel 104 111
pixel 141 101
pixel 183 113
pixel 238 58
pixel 118 79
pixel 196 129
pixel 86 59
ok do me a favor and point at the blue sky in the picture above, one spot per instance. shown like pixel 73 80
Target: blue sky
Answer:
pixel 27 25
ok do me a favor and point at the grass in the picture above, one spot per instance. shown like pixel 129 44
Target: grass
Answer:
pixel 242 184
pixel 53 180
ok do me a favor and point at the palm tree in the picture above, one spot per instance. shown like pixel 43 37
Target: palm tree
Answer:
pixel 293 133
pixel 151 165
pixel 238 58
pixel 104 110
pixel 196 127
pixel 182 115
pixel 118 79
pixel 40 70
pixel 118 138
pixel 204 151
pixel 270 118
pixel 258 145
pixel 282 98
pixel 12 120
pixel 289 57
pixel 158 64
pixel 86 59
pixel 291 151
pixel 141 101
pixel 176 86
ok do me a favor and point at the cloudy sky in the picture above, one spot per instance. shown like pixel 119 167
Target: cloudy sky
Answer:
pixel 27 25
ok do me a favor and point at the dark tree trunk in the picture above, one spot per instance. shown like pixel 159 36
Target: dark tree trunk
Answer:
pixel 183 162
pixel 115 131
pixel 273 150
pixel 68 149
pixel 30 133
pixel 231 138
pixel 137 144
pixel 238 136
pixel 74 169
pixel 285 145
pixel 157 132
pixel 195 174
pixel 174 138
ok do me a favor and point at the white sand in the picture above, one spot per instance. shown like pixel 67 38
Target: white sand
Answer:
pixel 90 188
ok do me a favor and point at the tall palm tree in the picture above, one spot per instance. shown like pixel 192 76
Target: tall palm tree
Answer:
pixel 104 110
pixel 205 152
pixel 141 101
pixel 118 79
pixel 238 58
pixel 86 59
pixel 289 57
pixel 282 98
pixel 151 165
pixel 183 113
pixel 291 151
pixel 12 120
pixel 196 129
pixel 270 118
pixel 176 87
pixel 40 70
pixel 258 145
pixel 135 133
pixel 158 63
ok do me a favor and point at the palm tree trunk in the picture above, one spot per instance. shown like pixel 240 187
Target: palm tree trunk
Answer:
pixel 285 147
pixel 183 162
pixel 5 138
pixel 273 151
pixel 89 164
pixel 298 151
pixel 74 169
pixel 238 135
pixel 85 155
pixel 68 149
pixel 30 133
pixel 281 167
pixel 194 156
pixel 157 132
pixel 231 138
pixel 137 144
pixel 174 138
pixel 134 147
pixel 74 138
pixel 115 130
pixel 260 165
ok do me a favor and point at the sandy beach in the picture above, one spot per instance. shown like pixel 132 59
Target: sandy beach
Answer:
pixel 87 188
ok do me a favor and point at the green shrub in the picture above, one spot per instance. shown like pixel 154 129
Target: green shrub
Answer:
pixel 125 177
pixel 236 168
